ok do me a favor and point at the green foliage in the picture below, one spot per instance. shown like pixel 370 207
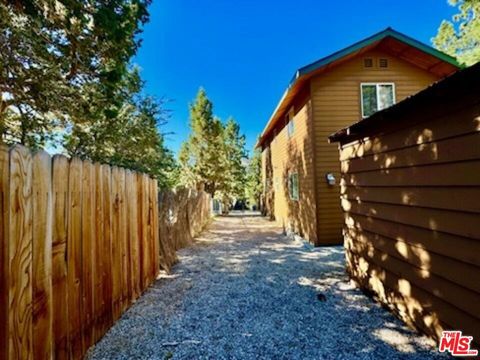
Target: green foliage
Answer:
pixel 200 157
pixel 233 184
pixel 254 186
pixel 65 80
pixel 461 36
pixel 125 133
pixel 212 157
pixel 51 50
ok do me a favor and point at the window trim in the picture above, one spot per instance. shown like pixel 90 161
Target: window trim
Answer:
pixel 290 191
pixel 377 84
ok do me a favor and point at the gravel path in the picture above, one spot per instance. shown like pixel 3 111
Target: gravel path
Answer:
pixel 244 291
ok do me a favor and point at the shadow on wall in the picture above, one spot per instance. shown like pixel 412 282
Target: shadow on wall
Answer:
pixel 301 213
pixel 268 208
pixel 411 208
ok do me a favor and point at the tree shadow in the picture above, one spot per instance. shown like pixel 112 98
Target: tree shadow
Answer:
pixel 290 277
pixel 411 217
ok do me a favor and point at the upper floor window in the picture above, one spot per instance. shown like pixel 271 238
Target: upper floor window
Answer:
pixel 376 96
pixel 290 124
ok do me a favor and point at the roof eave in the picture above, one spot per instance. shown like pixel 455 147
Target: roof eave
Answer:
pixel 308 69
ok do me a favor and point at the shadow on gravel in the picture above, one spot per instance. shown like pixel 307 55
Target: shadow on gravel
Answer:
pixel 249 292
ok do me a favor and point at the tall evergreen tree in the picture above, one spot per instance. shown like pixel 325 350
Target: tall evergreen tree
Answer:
pixel 65 78
pixel 234 155
pixel 52 52
pixel 461 36
pixel 201 156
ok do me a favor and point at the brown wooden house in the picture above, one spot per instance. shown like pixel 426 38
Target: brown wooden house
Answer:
pixel 300 168
pixel 410 190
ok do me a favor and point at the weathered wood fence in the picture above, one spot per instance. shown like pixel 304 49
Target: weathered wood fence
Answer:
pixel 183 215
pixel 79 243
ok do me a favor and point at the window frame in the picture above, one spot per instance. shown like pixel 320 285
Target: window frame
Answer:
pixel 290 186
pixel 290 124
pixel 377 84
pixel 290 128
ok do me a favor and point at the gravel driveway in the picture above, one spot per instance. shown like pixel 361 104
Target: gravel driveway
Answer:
pixel 245 291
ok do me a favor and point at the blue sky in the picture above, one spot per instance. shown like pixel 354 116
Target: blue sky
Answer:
pixel 244 52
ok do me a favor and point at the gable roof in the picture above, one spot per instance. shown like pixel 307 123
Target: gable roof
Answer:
pixel 461 85
pixel 389 40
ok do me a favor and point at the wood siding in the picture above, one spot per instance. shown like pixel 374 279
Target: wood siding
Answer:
pixel 335 97
pixel 292 154
pixel 411 195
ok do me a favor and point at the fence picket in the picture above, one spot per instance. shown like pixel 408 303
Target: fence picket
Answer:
pixel 116 245
pixel 42 255
pixel 107 247
pixel 4 249
pixel 133 235
pixel 59 256
pixel 98 264
pixel 122 241
pixel 20 345
pixel 88 233
pixel 74 260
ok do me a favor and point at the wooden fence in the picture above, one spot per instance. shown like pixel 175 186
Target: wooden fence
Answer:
pixel 79 242
pixel 183 215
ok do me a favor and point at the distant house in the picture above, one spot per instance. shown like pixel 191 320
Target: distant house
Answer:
pixel 410 193
pixel 300 168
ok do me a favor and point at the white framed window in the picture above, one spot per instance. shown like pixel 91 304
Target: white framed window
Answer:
pixel 376 96
pixel 293 186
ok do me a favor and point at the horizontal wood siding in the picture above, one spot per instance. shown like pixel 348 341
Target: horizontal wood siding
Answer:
pixel 411 201
pixel 292 154
pixel 336 104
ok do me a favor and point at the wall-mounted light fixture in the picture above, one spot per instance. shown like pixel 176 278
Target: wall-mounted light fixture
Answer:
pixel 330 179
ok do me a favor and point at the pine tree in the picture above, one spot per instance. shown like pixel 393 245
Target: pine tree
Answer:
pixel 233 186
pixel 126 133
pixel 461 36
pixel 52 52
pixel 200 158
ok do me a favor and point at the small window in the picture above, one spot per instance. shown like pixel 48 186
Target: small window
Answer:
pixel 368 62
pixel 383 63
pixel 293 186
pixel 290 128
pixel 376 96
pixel 290 125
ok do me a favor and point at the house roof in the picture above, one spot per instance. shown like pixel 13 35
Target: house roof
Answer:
pixel 462 84
pixel 389 40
